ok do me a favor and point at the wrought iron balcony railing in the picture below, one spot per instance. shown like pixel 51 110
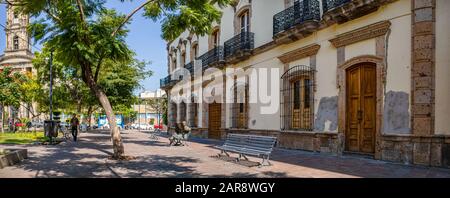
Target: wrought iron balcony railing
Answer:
pixel 190 67
pixel 170 81
pixel 164 82
pixel 332 4
pixel 302 11
pixel 212 57
pixel 241 42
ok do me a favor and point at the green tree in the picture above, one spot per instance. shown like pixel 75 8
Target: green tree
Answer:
pixel 10 93
pixel 158 105
pixel 30 91
pixel 84 33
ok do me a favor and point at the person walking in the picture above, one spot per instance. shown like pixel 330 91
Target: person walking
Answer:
pixel 74 123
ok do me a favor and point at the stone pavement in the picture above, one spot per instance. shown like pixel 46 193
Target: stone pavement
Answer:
pixel 89 158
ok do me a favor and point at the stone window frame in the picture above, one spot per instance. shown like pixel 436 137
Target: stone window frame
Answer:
pixel 237 18
pixel 194 48
pixel 342 97
pixel 16 43
pixel 298 72
pixel 216 29
pixel 182 59
pixel 235 107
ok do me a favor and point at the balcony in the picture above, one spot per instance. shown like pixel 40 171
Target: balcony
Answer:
pixel 165 83
pixel 168 82
pixel 297 21
pixel 190 67
pixel 239 47
pixel 341 11
pixel 333 4
pixel 213 58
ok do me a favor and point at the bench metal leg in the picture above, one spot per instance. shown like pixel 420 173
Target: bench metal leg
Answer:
pixel 171 141
pixel 242 155
pixel 265 161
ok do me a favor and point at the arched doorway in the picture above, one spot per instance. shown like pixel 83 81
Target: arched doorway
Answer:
pixel 361 105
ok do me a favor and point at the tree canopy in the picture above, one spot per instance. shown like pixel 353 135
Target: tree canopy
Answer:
pixel 85 34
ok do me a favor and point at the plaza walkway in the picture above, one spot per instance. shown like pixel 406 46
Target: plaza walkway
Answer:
pixel 89 158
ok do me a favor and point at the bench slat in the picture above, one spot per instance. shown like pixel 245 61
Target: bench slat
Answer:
pixel 249 144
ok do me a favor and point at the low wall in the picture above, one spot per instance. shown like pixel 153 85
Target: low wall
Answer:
pixel 9 157
pixel 430 150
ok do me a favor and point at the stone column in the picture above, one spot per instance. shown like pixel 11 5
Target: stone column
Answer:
pixel 423 66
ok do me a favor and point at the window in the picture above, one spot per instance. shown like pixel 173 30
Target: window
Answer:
pixel 195 51
pixel 297 99
pixel 245 22
pixel 16 42
pixel 215 39
pixel 183 59
pixel 15 17
pixel 240 106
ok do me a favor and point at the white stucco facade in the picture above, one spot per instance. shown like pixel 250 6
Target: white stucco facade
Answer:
pixel 383 38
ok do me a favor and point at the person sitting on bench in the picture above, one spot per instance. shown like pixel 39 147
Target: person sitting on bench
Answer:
pixel 182 132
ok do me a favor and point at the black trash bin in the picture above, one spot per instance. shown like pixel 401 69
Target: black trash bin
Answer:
pixel 51 128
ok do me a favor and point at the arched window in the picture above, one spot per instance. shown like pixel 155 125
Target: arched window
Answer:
pixel 194 51
pixel 297 99
pixel 16 43
pixel 183 59
pixel 15 17
pixel 244 19
pixel 215 39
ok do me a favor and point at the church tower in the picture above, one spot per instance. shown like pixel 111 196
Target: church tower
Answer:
pixel 17 54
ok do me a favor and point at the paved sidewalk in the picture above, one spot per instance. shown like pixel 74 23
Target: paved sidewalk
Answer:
pixel 89 158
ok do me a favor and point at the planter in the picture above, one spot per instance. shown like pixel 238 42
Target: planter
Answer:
pixel 9 157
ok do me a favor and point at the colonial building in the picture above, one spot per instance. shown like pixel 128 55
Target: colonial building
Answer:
pixel 17 54
pixel 145 112
pixel 342 76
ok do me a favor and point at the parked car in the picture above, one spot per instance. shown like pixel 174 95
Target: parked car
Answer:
pixel 145 127
pixel 37 124
pixel 83 127
pixel 134 126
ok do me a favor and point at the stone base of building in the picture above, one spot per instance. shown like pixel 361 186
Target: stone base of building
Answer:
pixel 406 149
pixel 308 141
pixel 199 132
pixel 418 150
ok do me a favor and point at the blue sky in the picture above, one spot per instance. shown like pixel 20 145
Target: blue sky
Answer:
pixel 144 38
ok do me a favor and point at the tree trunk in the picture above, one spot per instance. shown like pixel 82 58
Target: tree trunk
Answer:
pixel 89 113
pixel 1 120
pixel 104 101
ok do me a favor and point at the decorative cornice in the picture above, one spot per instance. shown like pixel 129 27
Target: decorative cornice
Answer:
pixel 364 33
pixel 300 53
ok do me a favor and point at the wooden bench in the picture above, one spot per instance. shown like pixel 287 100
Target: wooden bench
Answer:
pixel 181 135
pixel 254 145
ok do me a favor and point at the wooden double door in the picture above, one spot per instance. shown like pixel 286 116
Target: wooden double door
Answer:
pixel 214 120
pixel 361 108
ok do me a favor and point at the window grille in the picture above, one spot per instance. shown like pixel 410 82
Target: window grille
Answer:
pixel 297 99
pixel 239 107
